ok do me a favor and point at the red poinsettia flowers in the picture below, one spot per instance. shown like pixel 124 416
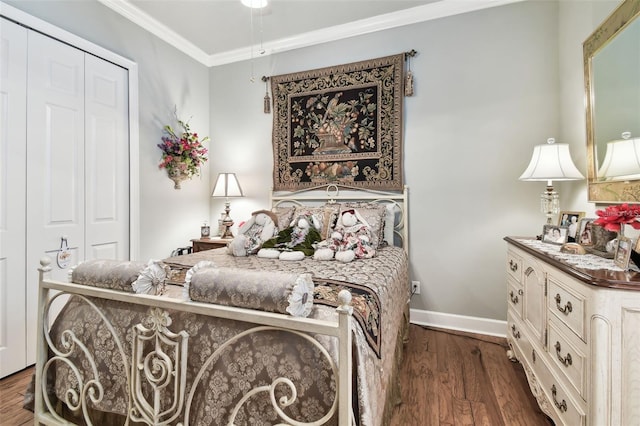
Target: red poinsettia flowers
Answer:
pixel 613 217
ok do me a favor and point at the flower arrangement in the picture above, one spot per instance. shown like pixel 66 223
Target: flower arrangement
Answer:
pixel 613 218
pixel 182 154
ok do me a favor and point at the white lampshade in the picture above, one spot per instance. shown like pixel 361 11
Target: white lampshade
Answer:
pixel 227 186
pixel 254 4
pixel 551 161
pixel 622 159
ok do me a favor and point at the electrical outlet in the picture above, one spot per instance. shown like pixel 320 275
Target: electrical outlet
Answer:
pixel 415 287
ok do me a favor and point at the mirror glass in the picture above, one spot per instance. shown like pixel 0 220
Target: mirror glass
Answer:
pixel 612 70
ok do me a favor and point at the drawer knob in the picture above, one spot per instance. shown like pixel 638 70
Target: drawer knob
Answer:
pixel 566 361
pixel 515 332
pixel 562 406
pixel 513 297
pixel 533 355
pixel 566 309
pixel 513 265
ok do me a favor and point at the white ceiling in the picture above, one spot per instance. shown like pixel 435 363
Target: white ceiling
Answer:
pixel 216 32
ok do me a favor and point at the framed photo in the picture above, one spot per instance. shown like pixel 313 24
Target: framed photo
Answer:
pixel 623 252
pixel 555 234
pixel 572 221
pixel 584 236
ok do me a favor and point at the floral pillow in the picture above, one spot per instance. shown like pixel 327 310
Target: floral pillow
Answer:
pixel 325 215
pixel 374 214
pixel 284 215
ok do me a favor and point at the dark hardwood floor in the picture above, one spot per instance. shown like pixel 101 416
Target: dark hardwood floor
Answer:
pixel 451 378
pixel 447 378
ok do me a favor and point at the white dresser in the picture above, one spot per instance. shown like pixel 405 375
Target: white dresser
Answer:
pixel 576 332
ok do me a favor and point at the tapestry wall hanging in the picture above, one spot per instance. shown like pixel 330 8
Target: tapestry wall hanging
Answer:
pixel 340 124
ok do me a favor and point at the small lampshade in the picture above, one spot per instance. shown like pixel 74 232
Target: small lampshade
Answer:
pixel 622 159
pixel 254 4
pixel 227 186
pixel 551 162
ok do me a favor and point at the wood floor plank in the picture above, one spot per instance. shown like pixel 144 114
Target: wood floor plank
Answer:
pixel 447 378
pixel 462 413
pixel 476 378
pixel 481 415
pixel 419 387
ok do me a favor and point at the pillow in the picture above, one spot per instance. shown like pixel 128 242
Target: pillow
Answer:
pixel 272 291
pixel 284 215
pixel 374 214
pixel 325 215
pixel 111 274
pixel 389 225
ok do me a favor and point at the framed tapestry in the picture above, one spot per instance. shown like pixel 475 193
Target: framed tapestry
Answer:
pixel 340 124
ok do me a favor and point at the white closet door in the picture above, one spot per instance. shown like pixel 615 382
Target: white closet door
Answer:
pixel 55 152
pixel 13 92
pixel 107 160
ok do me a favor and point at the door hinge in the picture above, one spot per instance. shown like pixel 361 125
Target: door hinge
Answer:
pixel 546 282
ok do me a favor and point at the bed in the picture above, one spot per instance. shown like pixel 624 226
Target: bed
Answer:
pixel 232 340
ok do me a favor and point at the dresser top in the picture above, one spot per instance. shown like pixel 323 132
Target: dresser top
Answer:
pixel 591 269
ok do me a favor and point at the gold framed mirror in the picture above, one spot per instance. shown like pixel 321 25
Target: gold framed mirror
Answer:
pixel 612 93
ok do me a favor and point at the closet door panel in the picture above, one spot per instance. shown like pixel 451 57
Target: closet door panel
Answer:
pixel 107 160
pixel 13 92
pixel 55 152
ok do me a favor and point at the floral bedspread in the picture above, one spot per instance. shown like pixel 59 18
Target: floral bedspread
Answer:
pixel 260 358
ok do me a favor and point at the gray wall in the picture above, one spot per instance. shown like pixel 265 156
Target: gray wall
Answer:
pixel 486 92
pixel 167 78
pixel 489 86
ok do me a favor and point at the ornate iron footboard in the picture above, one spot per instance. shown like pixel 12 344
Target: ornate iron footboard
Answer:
pixel 156 371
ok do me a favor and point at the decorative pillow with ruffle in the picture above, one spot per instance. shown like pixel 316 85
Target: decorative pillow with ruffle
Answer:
pixel 152 280
pixel 271 291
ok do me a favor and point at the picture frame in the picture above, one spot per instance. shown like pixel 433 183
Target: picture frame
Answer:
pixel 622 253
pixel 553 234
pixel 635 253
pixel 571 220
pixel 585 233
pixel 205 231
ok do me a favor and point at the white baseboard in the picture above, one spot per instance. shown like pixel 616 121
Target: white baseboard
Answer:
pixel 477 325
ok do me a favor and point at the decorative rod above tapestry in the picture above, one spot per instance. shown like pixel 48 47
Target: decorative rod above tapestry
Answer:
pixel 408 84
pixel 340 124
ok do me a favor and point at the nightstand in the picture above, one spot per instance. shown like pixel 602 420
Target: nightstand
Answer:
pixel 200 244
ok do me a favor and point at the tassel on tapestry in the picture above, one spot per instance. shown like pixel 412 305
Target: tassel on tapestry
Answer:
pixel 267 99
pixel 408 80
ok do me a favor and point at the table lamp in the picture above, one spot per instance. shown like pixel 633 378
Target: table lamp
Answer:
pixel 227 186
pixel 549 162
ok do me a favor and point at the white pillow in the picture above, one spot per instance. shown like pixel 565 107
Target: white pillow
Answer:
pixel 389 221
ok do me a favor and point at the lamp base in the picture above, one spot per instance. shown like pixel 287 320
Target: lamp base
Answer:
pixel 227 235
pixel 227 222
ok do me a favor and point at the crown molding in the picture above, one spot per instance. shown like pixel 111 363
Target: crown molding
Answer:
pixel 140 18
pixel 431 11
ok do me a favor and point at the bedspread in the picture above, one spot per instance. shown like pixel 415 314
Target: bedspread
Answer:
pixel 261 357
pixel 386 275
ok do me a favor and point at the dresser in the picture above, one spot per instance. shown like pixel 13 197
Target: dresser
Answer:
pixel 575 327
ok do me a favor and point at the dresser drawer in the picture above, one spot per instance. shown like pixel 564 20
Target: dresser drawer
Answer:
pixel 514 296
pixel 517 335
pixel 514 266
pixel 567 410
pixel 567 306
pixel 569 358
